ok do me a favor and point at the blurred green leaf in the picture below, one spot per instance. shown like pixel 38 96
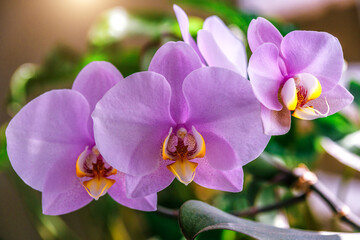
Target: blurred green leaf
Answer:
pixel 335 126
pixel 163 227
pixel 58 71
pixel 266 197
pixel 354 89
pixel 197 217
pixel 4 160
pixel 261 167
pixel 226 10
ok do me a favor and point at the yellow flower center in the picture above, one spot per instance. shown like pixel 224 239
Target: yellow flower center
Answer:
pixel 297 94
pixel 181 148
pixel 94 172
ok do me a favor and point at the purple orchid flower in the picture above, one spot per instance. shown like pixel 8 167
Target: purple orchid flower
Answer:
pixel 298 73
pixel 180 120
pixel 216 44
pixel 51 146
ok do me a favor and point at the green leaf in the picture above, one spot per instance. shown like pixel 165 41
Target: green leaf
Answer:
pixel 354 89
pixel 197 217
pixel 268 195
pixel 4 160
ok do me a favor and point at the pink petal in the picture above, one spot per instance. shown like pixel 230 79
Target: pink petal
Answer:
pixel 63 192
pixel 221 102
pixel 218 149
pixel 265 75
pixel 151 183
pixel 118 193
pixel 214 55
pixel 317 53
pixel 337 99
pixel 94 80
pixel 183 21
pixel 261 31
pixel 50 128
pixel 289 94
pixel 221 48
pixel 275 122
pixel 175 60
pixel 132 120
pixel 209 177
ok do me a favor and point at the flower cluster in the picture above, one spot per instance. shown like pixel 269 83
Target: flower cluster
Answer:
pixel 193 116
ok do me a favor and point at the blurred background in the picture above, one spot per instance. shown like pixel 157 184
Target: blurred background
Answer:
pixel 44 44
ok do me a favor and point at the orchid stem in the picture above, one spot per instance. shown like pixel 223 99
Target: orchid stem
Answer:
pixel 256 210
pixel 310 181
pixel 174 213
pixel 339 208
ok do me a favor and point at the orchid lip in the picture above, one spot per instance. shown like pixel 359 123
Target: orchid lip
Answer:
pixel 296 94
pixel 309 112
pixel 94 172
pixel 181 148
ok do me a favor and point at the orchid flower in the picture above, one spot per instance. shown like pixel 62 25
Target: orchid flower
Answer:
pixel 216 44
pixel 297 74
pixel 50 143
pixel 181 120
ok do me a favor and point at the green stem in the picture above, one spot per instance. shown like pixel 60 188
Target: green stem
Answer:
pixel 256 210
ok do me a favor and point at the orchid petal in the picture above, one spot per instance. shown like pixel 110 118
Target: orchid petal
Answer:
pixel 200 142
pixel 164 152
pixel 151 183
pixel 82 160
pixel 49 129
pixel 175 60
pixel 309 113
pixel 221 48
pixel 98 186
pixel 335 100
pixel 289 94
pixel 63 192
pixel 215 56
pixel 183 170
pixel 132 120
pixel 209 177
pixel 261 31
pixel 183 21
pixel 218 149
pixel 221 102
pixel 118 193
pixel 310 84
pixel 275 122
pixel 265 75
pixel 93 81
pixel 317 53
